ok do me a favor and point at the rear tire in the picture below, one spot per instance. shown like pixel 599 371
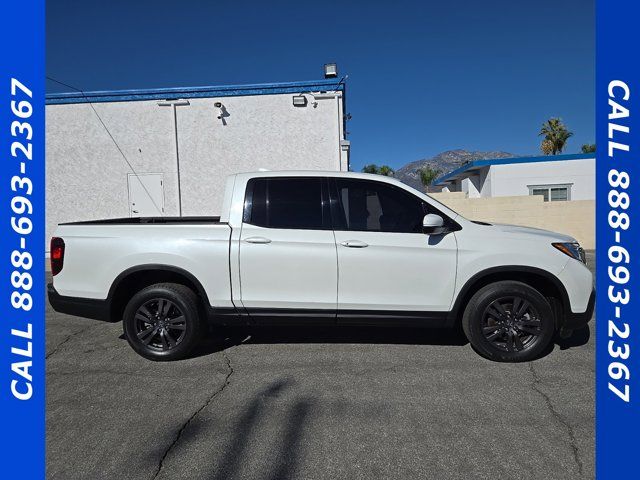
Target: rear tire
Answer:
pixel 509 321
pixel 162 322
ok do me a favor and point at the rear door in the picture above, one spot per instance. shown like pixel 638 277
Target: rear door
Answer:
pixel 288 261
pixel 386 264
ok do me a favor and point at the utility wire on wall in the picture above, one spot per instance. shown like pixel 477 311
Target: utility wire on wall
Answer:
pixel 110 136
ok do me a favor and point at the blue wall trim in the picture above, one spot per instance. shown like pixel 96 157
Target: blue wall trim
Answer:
pixel 505 161
pixel 194 92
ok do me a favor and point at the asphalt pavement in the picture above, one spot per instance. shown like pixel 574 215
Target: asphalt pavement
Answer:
pixel 315 403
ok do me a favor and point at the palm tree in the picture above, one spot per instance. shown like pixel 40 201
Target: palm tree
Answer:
pixel 428 175
pixel 555 136
pixel 589 148
pixel 547 146
pixel 371 168
pixel 385 170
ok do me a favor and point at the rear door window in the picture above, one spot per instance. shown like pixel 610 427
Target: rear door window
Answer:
pixel 287 203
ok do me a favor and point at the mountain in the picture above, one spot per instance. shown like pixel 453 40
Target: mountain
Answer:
pixel 445 162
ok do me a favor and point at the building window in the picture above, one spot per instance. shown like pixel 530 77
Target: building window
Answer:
pixel 552 193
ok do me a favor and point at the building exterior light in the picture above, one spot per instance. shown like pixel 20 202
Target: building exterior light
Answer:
pixel 299 101
pixel 330 70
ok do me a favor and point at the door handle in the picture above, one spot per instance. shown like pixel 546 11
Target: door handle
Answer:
pixel 354 244
pixel 257 240
pixel 135 211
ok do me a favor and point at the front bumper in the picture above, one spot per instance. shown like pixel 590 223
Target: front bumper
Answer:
pixel 574 321
pixel 79 307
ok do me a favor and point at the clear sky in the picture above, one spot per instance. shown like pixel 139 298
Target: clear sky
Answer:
pixel 423 76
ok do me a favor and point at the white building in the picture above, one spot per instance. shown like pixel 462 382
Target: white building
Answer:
pixel 556 177
pixel 167 151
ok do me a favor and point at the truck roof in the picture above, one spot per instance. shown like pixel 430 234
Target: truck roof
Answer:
pixel 320 173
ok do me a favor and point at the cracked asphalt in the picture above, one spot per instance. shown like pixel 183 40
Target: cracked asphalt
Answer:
pixel 313 403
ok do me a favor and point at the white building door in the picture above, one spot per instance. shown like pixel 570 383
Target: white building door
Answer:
pixel 146 194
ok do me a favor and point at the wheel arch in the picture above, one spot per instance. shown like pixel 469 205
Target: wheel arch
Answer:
pixel 545 282
pixel 134 279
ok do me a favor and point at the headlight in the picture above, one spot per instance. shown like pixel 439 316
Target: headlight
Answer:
pixel 573 249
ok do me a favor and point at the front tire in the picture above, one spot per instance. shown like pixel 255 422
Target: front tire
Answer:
pixel 509 321
pixel 162 322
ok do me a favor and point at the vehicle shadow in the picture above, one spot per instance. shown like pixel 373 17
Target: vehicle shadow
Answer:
pixel 222 338
pixel 580 337
pixel 227 337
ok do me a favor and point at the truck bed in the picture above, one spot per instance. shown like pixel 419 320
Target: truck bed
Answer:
pixel 97 252
pixel 149 220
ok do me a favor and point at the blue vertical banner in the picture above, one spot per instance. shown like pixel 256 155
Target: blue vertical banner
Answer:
pixel 22 216
pixel 617 239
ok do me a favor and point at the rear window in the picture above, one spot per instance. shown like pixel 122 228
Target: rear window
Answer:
pixel 291 203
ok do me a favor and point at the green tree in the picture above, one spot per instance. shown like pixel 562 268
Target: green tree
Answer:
pixel 547 147
pixel 371 168
pixel 385 170
pixel 428 175
pixel 589 148
pixel 555 136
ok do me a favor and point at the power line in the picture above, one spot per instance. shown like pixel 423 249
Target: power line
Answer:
pixel 110 136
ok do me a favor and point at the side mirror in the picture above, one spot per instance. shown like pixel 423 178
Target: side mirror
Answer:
pixel 433 224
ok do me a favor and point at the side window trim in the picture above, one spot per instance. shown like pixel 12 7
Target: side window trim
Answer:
pixel 327 223
pixel 248 201
pixel 338 219
pixel 333 216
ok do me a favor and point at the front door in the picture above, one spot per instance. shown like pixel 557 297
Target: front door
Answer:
pixel 146 195
pixel 287 249
pixel 385 262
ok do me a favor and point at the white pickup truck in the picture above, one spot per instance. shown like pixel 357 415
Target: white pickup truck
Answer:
pixel 322 247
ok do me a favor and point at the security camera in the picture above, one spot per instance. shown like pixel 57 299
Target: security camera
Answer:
pixel 220 108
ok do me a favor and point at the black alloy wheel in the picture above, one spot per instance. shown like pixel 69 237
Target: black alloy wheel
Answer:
pixel 163 321
pixel 160 324
pixel 509 321
pixel 511 324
